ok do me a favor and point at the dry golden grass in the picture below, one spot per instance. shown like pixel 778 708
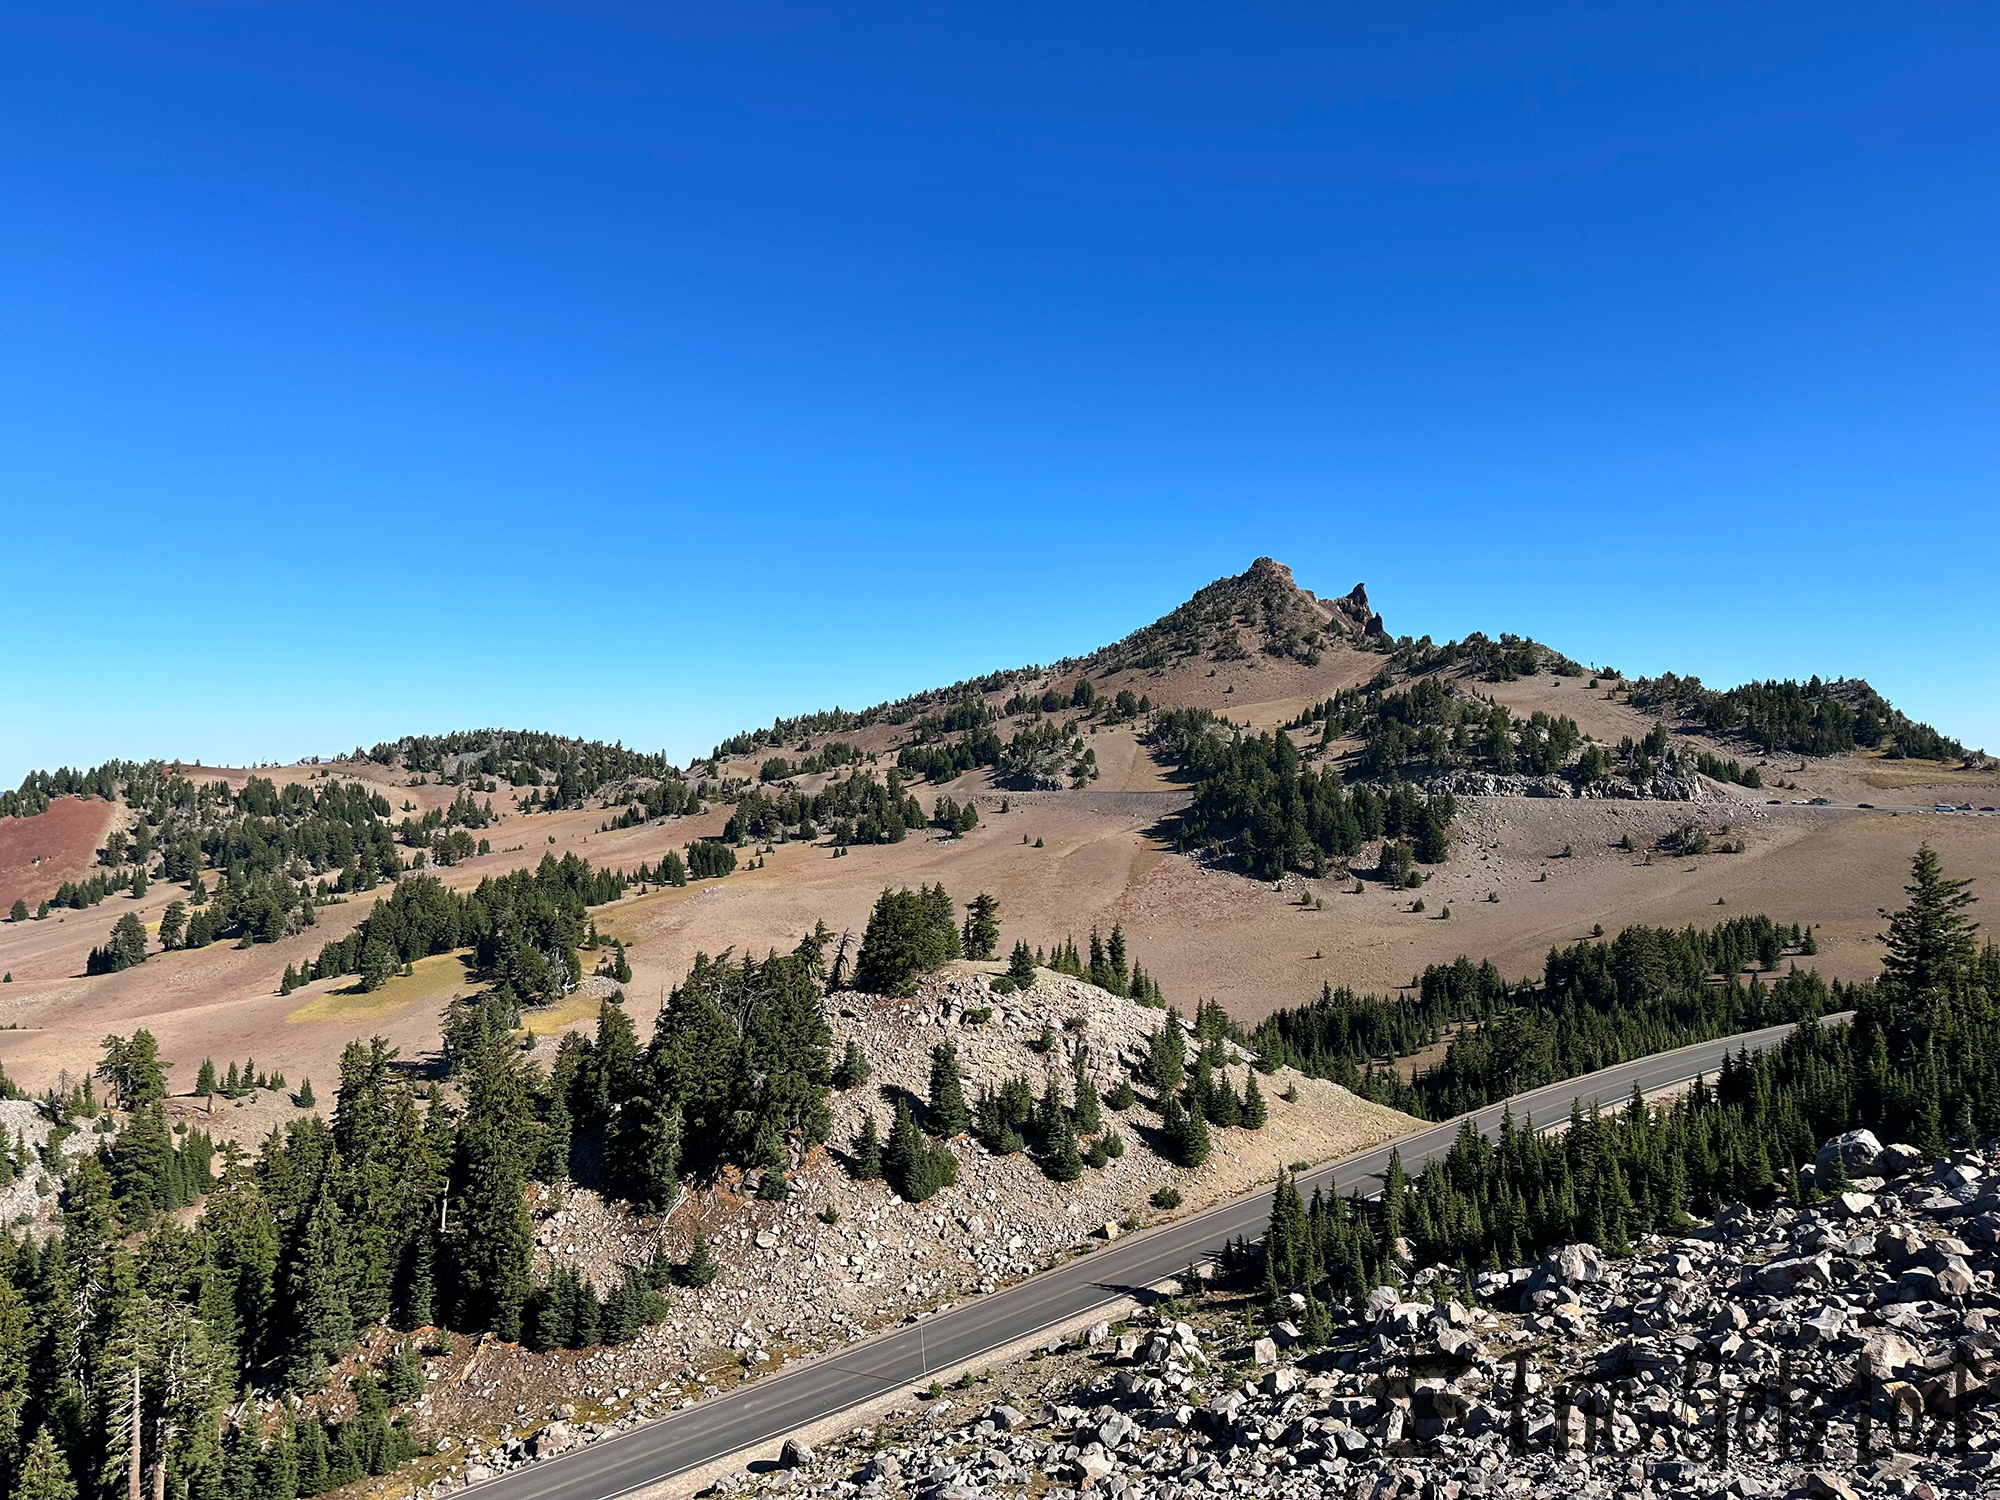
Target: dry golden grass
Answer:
pixel 434 979
pixel 1202 933
pixel 1896 775
pixel 577 1010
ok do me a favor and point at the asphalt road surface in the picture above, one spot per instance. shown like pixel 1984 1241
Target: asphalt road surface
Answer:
pixel 765 1410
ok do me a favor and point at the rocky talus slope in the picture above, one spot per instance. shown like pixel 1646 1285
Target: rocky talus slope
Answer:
pixel 840 1257
pixel 1774 1351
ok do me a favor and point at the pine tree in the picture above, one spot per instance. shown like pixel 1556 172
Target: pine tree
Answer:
pixel 1930 943
pixel 902 1154
pixel 304 1098
pixel 1166 1066
pixel 982 926
pixel 1021 965
pixel 701 1267
pixel 493 1239
pixel 1317 1329
pixel 853 1069
pixel 1394 1185
pixel 204 1080
pixel 913 1167
pixel 1186 1134
pixel 1060 1160
pixel 44 1473
pixel 1088 1110
pixel 948 1113
pixel 1255 1112
pixel 643 1152
pixel 868 1150
pixel 316 1283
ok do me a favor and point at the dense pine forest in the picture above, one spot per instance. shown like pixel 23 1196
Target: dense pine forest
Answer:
pixel 1813 718
pixel 1259 796
pixel 1919 1062
pixel 1649 989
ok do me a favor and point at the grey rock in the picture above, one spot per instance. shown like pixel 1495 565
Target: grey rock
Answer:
pixel 552 1439
pixel 1575 1265
pixel 1898 1159
pixel 1824 1484
pixel 1857 1150
pixel 796 1455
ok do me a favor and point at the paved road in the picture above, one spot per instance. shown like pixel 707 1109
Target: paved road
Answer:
pixel 766 1410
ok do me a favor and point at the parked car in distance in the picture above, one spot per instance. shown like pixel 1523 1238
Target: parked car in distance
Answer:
pixel 1942 807
pixel 1869 805
pixel 1819 802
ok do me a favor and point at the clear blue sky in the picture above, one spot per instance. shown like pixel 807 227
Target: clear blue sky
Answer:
pixel 643 372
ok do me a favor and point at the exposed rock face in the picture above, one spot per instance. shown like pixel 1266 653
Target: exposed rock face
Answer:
pixel 1675 781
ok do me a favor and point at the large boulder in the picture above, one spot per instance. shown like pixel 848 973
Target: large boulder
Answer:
pixel 1857 1151
pixel 796 1455
pixel 1889 1352
pixel 1897 1159
pixel 1574 1265
pixel 553 1439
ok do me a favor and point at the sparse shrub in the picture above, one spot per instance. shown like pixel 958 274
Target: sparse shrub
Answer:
pixel 1166 1199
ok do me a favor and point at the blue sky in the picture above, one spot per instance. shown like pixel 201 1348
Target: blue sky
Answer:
pixel 643 372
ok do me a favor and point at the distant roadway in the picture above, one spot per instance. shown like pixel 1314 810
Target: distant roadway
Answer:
pixel 765 1410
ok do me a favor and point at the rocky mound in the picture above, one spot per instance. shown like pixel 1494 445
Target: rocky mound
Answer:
pixel 1260 609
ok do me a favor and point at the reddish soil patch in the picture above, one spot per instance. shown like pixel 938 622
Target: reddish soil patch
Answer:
pixel 38 854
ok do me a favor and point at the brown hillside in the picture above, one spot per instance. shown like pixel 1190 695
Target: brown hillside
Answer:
pixel 1255 648
pixel 38 854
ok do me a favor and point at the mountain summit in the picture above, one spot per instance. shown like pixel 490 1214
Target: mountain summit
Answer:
pixel 1259 609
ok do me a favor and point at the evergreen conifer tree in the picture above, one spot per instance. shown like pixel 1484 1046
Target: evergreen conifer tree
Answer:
pixel 1166 1066
pixel 948 1113
pixel 1088 1110
pixel 317 1280
pixel 1255 1112
pixel 853 1069
pixel 1061 1160
pixel 1930 941
pixel 982 926
pixel 44 1472
pixel 1021 964
pixel 868 1150
pixel 701 1267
